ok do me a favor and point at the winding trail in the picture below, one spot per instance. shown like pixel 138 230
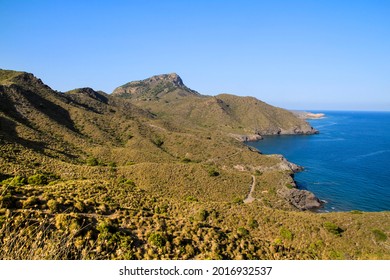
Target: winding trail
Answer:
pixel 250 198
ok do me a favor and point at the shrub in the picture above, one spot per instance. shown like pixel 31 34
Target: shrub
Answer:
pixel 252 223
pixel 15 181
pixel 62 222
pixel 242 231
pixel 79 205
pixel 157 239
pixel 106 226
pixel 37 179
pixel 238 200
pixel 258 172
pixel 332 228
pixel 202 215
pixel 379 235
pixel 213 173
pixel 158 142
pixel 289 186
pixel 286 234
pixel 92 161
pixel 30 202
pixel 6 200
pixel 52 205
pixel 190 198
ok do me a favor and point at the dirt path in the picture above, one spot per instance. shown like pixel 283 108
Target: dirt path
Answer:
pixel 250 198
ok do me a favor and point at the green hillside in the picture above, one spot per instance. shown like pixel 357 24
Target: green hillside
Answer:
pixel 154 171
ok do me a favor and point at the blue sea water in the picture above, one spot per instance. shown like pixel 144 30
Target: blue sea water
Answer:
pixel 347 164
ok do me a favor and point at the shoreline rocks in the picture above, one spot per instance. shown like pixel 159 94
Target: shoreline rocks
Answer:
pixel 301 199
pixel 246 138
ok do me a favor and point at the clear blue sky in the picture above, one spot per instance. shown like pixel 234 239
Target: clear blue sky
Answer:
pixel 292 54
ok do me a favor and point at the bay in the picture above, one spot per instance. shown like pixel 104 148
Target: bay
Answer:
pixel 347 164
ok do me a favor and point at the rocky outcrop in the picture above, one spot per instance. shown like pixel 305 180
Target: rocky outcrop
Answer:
pixel 246 138
pixel 301 199
pixel 308 115
pixel 155 86
pixel 286 165
pixel 299 130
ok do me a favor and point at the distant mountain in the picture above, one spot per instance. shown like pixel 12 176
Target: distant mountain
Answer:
pixel 155 88
pixel 168 97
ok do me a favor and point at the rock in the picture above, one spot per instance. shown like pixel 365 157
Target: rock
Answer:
pixel 286 165
pixel 301 199
pixel 246 138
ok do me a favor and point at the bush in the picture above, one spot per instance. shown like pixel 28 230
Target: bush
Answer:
pixel 7 200
pixel 286 234
pixel 15 181
pixel 252 223
pixel 106 226
pixel 37 179
pixel 157 239
pixel 242 231
pixel 258 172
pixel 92 161
pixel 213 173
pixel 332 228
pixel 379 235
pixel 79 205
pixel 158 142
pixel 190 198
pixel 289 186
pixel 52 205
pixel 30 202
pixel 202 215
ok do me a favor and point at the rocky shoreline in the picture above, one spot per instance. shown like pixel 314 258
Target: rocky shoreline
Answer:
pixel 301 199
pixel 259 136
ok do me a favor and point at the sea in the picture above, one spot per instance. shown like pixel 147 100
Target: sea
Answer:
pixel 347 164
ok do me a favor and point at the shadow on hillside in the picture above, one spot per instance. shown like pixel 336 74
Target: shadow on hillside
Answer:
pixel 9 134
pixel 51 110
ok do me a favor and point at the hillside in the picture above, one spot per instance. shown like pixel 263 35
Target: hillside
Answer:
pixel 152 172
pixel 167 97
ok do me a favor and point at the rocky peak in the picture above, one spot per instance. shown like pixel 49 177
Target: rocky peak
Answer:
pixel 172 77
pixel 154 87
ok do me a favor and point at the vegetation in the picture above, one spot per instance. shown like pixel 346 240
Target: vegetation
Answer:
pixel 379 235
pixel 85 175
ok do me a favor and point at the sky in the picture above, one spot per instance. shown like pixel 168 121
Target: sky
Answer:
pixel 310 55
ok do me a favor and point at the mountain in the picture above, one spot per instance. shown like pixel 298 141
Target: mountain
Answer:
pixel 166 96
pixel 155 171
pixel 155 88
